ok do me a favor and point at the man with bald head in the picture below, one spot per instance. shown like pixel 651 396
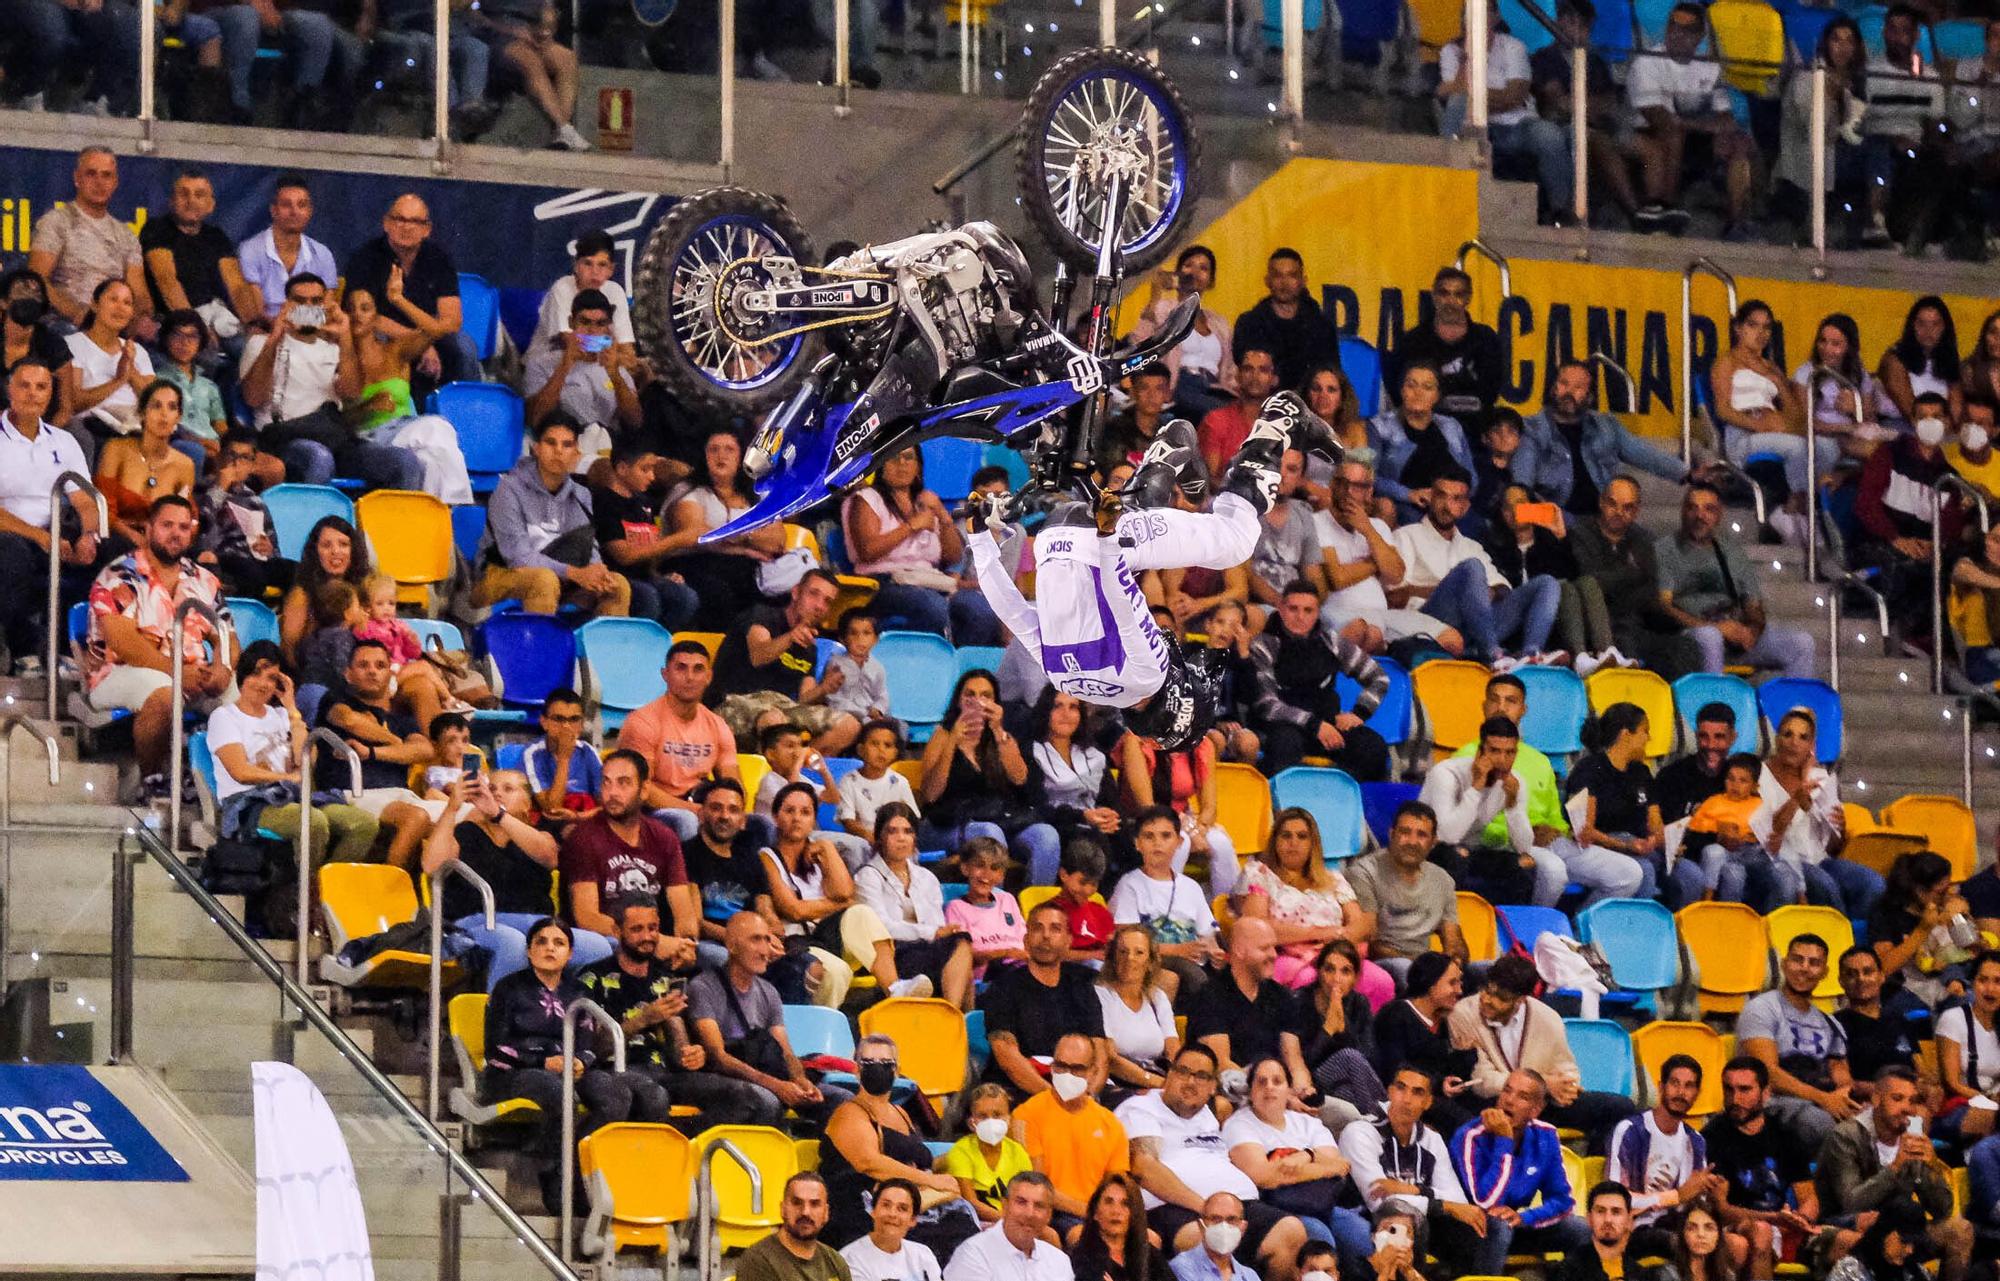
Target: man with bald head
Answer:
pixel 740 1020
pixel 1069 1135
pixel 1238 1014
pixel 429 284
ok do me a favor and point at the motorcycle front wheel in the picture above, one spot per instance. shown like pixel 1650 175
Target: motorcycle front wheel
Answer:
pixel 1095 114
pixel 699 262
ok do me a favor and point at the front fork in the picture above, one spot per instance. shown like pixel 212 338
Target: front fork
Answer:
pixel 1069 468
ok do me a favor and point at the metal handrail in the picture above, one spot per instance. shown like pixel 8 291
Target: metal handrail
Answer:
pixel 1820 373
pixel 177 730
pixel 1706 267
pixel 1818 124
pixel 1631 384
pixel 1855 582
pixel 708 1252
pixel 1948 481
pixel 58 626
pixel 445 871
pixel 308 757
pixel 455 1163
pixel 10 722
pixel 578 1007
pixel 1490 254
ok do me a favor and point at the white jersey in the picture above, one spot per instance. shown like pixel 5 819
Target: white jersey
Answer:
pixel 1089 621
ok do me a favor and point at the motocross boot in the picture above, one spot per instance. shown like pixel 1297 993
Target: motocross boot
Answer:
pixel 1172 461
pixel 1253 473
pixel 1305 431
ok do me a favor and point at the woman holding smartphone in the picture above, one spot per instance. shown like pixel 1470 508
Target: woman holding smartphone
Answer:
pixel 1203 367
pixel 488 825
pixel 976 781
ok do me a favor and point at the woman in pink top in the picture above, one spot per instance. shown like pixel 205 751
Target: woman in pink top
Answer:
pixel 900 532
pixel 1308 904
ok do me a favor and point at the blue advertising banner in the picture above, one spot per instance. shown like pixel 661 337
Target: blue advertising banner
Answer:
pixel 518 237
pixel 58 1122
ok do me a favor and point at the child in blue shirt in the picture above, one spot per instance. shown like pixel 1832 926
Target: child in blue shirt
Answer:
pixel 561 767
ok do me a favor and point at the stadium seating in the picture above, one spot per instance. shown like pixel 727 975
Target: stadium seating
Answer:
pixel 1959 39
pixel 1698 689
pixel 815 1029
pixel 358 900
pixel 1749 37
pixel 1945 821
pixel 1333 798
pixel 1393 717
pixel 1727 969
pixel 409 538
pixel 776 1157
pixel 1603 1053
pixel 254 620
pixel 1653 696
pixel 922 670
pixel 446 635
pixel 1879 848
pixel 621 659
pixel 295 509
pixel 1638 937
pixel 1787 923
pixel 1363 366
pixel 529 656
pixel 468 527
pixel 1379 803
pixel 1654 1043
pixel 1476 920
pixel 949 463
pixel 465 1018
pixel 1782 694
pixel 479 313
pixel 1558 705
pixel 711 641
pixel 930 1035
pixel 1521 925
pixel 640 1178
pixel 491 421
pixel 980 658
pixel 1451 691
pixel 1243 806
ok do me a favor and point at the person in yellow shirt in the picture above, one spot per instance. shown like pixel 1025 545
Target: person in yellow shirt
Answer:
pixel 985 1161
pixel 1972 455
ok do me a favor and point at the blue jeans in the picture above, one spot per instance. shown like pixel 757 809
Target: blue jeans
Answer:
pixel 864 21
pixel 312 43
pixel 1527 613
pixel 912 609
pixel 668 603
pixel 52 34
pixel 1849 887
pixel 508 941
pixel 308 462
pixel 1790 451
pixel 1750 875
pixel 1563 1235
pixel 1546 143
pixel 470 60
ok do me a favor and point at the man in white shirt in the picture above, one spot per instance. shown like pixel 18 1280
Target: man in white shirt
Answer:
pixel 884 1254
pixel 32 455
pixel 1013 1249
pixel 1400 1165
pixel 1361 562
pixel 595 264
pixel 1468 793
pixel 1518 134
pixel 273 256
pixel 1686 125
pixel 1905 97
pixel 1657 1154
pixel 1180 1161
pixel 1450 577
pixel 295 380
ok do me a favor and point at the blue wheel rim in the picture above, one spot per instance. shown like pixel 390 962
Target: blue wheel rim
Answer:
pixel 691 312
pixel 1165 186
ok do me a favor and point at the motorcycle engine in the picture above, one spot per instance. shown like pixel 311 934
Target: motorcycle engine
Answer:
pixel 962 302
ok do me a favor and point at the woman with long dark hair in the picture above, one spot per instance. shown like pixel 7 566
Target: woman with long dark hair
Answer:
pixel 1841 50
pixel 1760 411
pixel 1329 394
pixel 1309 904
pixel 724 574
pixel 1334 1025
pixel 1850 414
pixel 1921 928
pixel 1698 1252
pixel 1979 372
pixel 1112 1244
pixel 976 781
pixel 1887 1251
pixel 1621 813
pixel 1801 822
pixel 899 532
pixel 333 550
pixel 1416 1031
pixel 909 903
pixel 134 470
pixel 1069 778
pixel 1923 359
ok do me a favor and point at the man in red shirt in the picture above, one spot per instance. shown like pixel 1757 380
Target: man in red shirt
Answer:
pixel 1224 430
pixel 621 852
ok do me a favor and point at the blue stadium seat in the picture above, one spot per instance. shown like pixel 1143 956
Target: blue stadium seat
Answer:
pixel 491 423
pixel 479 307
pixel 621 659
pixel 948 466
pixel 980 658
pixel 815 1029
pixel 1523 25
pixel 1805 23
pixel 1870 18
pixel 1523 925
pixel 512 755
pixel 977 1047
pixel 1603 1053
pixel 1649 22
pixel 837 768
pixel 922 669
pixel 1394 717
pixel 1960 39
pixel 1779 696
pixel 201 764
pixel 1017 467
pixel 1332 797
pixel 955 890
pixel 1365 27
pixel 1363 366
pixel 1638 937
pixel 295 509
pixel 1611 34
pixel 1379 803
pixel 468 526
pixel 1558 705
pixel 1697 690
pixel 253 618
pixel 447 634
pixel 825 648
pixel 531 655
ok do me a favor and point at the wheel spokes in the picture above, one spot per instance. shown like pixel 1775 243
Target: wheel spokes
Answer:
pixel 1104 125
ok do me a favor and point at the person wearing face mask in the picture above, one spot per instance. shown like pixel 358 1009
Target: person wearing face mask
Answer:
pixel 985 1161
pixel 1213 1258
pixel 1972 455
pixel 26 303
pixel 1893 505
pixel 1070 1137
pixel 868 1139
pixel 886 1253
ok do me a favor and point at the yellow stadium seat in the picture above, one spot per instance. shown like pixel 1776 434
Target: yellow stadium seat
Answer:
pixel 1033 896
pixel 1788 922
pixel 1437 23
pixel 361 899
pixel 1659 1041
pixel 930 1038
pixel 409 536
pixel 1942 821
pixel 776 1157
pixel 639 1177
pixel 1242 806
pixel 914 772
pixel 1879 849
pixel 1653 695
pixel 1452 693
pixel 808 1150
pixel 1729 970
pixel 465 1018
pixel 751 767
pixel 1593 1174
pixel 1476 920
pixel 1857 819
pixel 711 641
pixel 1961 1189
pixel 1750 41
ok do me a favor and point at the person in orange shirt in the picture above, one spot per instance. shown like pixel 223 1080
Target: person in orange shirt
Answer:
pixel 1070 1136
pixel 683 742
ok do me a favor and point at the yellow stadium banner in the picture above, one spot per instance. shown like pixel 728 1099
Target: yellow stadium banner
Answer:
pixel 1372 235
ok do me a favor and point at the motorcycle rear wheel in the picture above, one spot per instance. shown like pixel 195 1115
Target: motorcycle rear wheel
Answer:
pixel 1092 113
pixel 696 346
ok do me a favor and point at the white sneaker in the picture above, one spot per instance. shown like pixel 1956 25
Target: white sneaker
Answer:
pixel 569 139
pixel 919 986
pixel 1588 663
pixel 34 102
pixel 1504 663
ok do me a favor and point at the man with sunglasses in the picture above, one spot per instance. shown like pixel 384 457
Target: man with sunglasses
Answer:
pixel 1179 1158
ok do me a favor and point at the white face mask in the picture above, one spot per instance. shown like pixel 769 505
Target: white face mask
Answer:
pixel 991 1130
pixel 1316 1275
pixel 1972 438
pixel 1068 1086
pixel 1223 1238
pixel 1930 431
